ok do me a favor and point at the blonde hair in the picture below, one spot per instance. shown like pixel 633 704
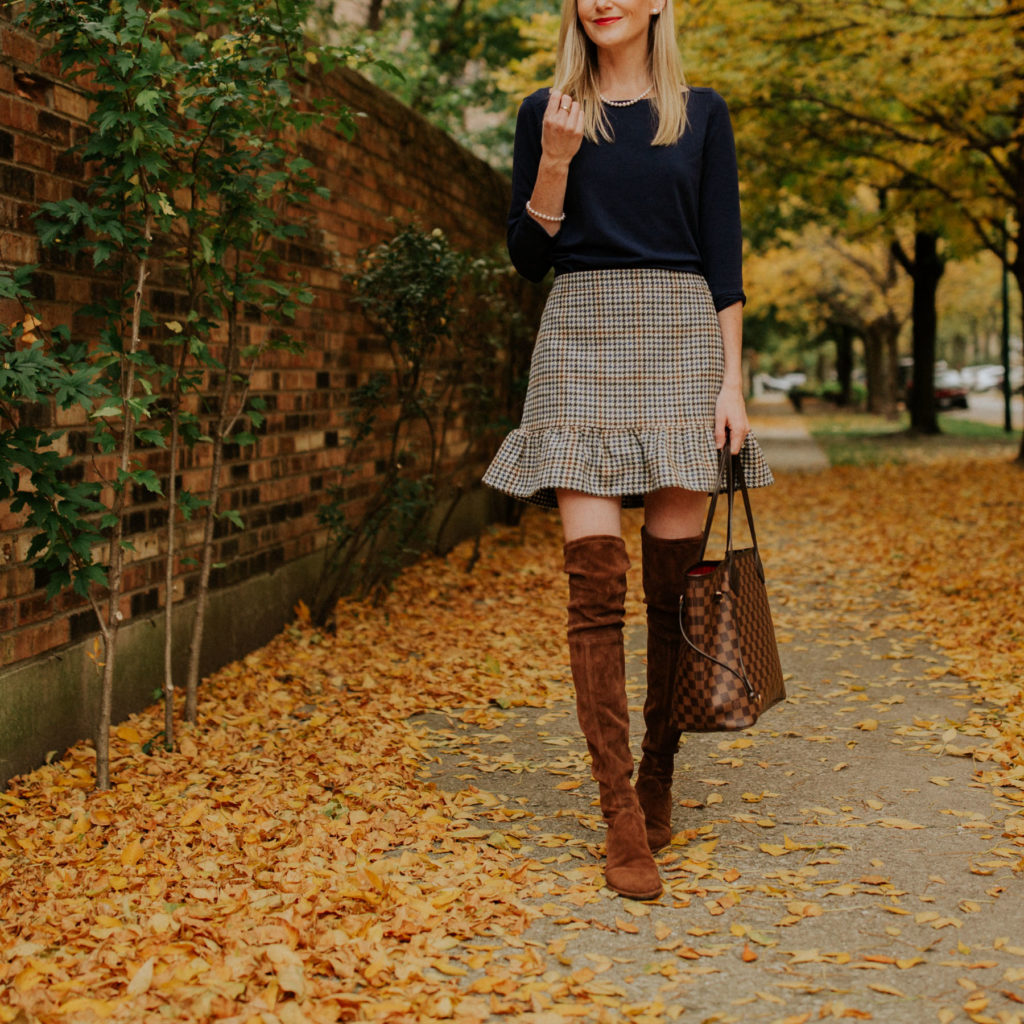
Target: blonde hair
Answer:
pixel 576 74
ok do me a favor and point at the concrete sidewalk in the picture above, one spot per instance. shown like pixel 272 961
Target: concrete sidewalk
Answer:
pixel 835 861
pixel 839 861
pixel 783 436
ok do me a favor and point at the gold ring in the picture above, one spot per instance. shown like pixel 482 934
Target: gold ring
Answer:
pixel 566 103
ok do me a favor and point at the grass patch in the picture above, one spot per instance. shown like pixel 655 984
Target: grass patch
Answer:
pixel 863 439
pixel 956 427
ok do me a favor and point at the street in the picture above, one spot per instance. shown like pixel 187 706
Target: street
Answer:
pixel 987 407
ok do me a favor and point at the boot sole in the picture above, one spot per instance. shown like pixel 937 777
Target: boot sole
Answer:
pixel 637 895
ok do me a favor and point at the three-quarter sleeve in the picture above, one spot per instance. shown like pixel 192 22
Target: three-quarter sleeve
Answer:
pixel 720 233
pixel 529 245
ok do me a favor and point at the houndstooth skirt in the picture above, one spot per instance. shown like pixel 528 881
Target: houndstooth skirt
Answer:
pixel 621 399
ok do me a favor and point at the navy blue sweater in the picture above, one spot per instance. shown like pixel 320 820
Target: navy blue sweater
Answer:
pixel 631 204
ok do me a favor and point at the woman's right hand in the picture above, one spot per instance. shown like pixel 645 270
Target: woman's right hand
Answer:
pixel 560 137
pixel 562 129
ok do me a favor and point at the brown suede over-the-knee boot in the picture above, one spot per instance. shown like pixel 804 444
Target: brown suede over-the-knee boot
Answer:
pixel 597 591
pixel 664 562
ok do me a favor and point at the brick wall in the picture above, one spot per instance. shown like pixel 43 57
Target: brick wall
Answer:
pixel 398 167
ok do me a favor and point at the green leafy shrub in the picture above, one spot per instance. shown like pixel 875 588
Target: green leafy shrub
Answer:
pixel 454 331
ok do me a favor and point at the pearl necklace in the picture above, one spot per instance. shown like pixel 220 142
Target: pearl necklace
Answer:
pixel 627 103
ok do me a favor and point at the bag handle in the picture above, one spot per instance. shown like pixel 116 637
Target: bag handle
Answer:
pixel 719 481
pixel 730 472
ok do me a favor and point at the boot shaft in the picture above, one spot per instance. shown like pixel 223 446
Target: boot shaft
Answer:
pixel 596 567
pixel 664 564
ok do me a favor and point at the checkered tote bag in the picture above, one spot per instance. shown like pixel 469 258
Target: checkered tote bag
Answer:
pixel 728 671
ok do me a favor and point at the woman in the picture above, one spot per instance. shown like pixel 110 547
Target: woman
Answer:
pixel 624 180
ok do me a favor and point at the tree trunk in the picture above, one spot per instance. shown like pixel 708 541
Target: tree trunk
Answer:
pixel 891 357
pixel 1016 268
pixel 373 15
pixel 880 354
pixel 223 425
pixel 873 363
pixel 844 363
pixel 1020 289
pixel 172 500
pixel 196 644
pixel 926 271
pixel 121 500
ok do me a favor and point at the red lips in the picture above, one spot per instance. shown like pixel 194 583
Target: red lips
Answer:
pixel 606 21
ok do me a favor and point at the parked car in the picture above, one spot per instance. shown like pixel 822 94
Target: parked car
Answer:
pixel 950 392
pixel 983 377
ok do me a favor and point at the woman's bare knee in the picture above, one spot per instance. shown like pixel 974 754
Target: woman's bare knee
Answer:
pixel 671 513
pixel 586 515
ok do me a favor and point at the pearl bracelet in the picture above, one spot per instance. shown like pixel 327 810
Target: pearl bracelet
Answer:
pixel 544 216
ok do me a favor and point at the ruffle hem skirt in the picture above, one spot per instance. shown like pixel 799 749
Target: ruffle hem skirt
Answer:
pixel 624 378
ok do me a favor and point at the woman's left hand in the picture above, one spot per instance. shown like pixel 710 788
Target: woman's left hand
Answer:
pixel 731 412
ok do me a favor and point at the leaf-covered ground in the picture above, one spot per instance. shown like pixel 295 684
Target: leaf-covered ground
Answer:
pixel 397 822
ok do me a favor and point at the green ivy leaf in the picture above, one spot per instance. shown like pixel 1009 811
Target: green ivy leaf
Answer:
pixel 233 516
